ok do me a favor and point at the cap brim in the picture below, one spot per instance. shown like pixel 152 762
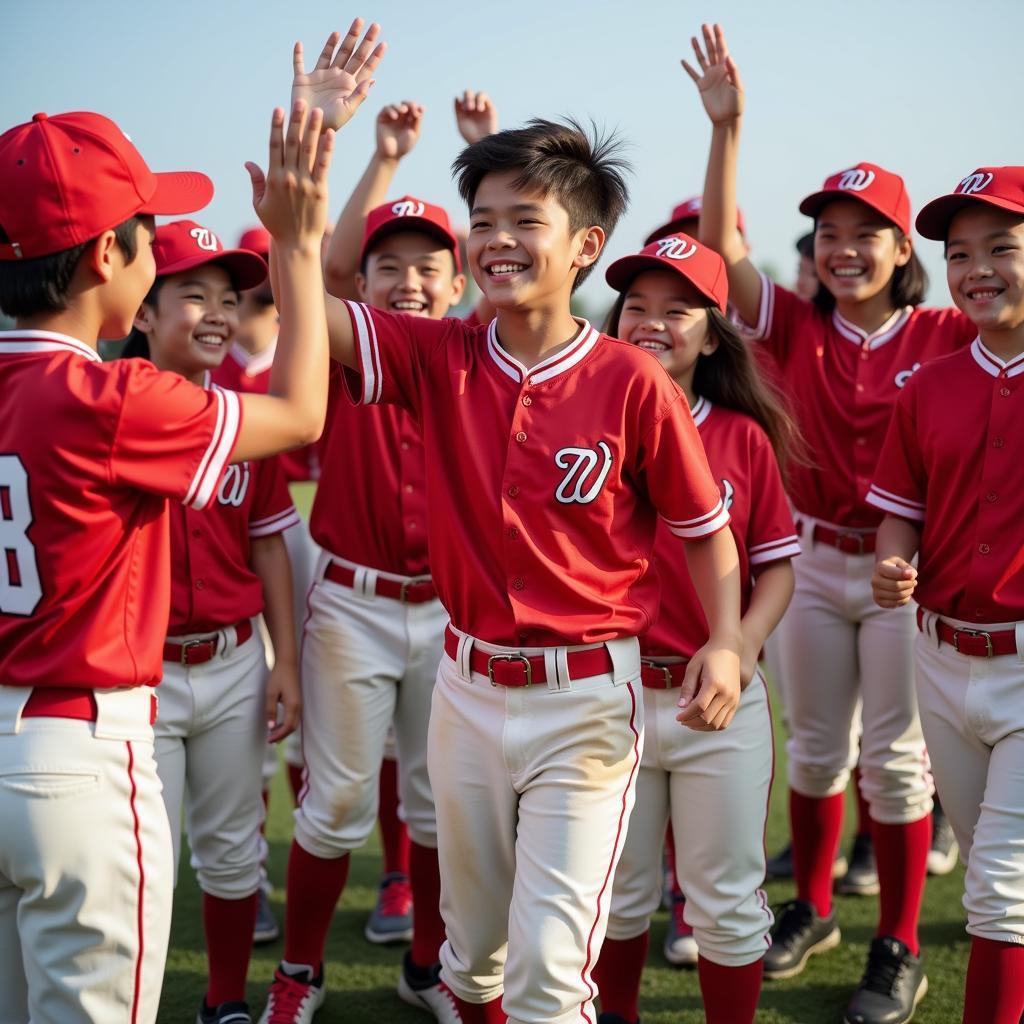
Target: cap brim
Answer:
pixel 623 271
pixel 418 224
pixel 247 270
pixel 934 217
pixel 813 204
pixel 179 192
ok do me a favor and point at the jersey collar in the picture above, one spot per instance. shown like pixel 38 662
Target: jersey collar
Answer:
pixel 19 342
pixel 577 350
pixel 992 364
pixel 700 411
pixel 872 339
pixel 253 365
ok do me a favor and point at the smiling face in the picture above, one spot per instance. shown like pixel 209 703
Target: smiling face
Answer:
pixel 665 315
pixel 856 250
pixel 195 318
pixel 411 272
pixel 522 250
pixel 985 266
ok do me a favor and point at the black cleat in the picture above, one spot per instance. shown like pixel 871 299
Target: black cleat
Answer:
pixel 861 879
pixel 798 934
pixel 893 984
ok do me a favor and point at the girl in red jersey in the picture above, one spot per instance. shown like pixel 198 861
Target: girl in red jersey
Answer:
pixel 672 302
pixel 844 356
pixel 948 479
pixel 229 564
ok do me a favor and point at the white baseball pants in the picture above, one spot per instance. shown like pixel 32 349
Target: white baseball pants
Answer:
pixel 839 648
pixel 716 786
pixel 211 735
pixel 366 661
pixel 534 787
pixel 85 864
pixel 972 710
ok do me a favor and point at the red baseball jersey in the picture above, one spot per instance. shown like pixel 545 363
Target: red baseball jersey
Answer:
pixel 952 461
pixel 250 374
pixel 842 385
pixel 371 506
pixel 91 452
pixel 743 461
pixel 545 484
pixel 212 583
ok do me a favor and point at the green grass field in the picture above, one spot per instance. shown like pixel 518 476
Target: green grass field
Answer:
pixel 361 978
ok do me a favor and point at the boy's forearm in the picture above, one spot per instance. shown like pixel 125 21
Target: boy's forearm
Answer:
pixel 269 560
pixel 714 568
pixel 718 215
pixel 897 538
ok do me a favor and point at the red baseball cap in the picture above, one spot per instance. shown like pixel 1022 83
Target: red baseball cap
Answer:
pixel 184 244
pixel 68 178
pixel 874 186
pixel 682 215
pixel 256 240
pixel 997 186
pixel 410 214
pixel 693 262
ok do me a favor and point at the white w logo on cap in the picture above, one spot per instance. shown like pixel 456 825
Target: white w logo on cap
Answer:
pixel 976 182
pixel 676 249
pixel 407 208
pixel 206 239
pixel 856 179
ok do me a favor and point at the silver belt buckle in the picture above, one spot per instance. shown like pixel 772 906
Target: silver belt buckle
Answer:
pixel 973 632
pixel 510 657
pixel 665 670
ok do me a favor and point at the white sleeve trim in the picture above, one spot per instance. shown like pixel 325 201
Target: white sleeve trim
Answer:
pixel 702 526
pixel 369 354
pixel 218 453
pixel 765 313
pixel 898 506
pixel 274 524
pixel 775 550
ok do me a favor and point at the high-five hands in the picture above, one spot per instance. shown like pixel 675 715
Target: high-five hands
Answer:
pixel 343 74
pixel 718 80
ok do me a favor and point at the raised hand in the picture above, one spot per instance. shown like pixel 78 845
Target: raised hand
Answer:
pixel 718 80
pixel 291 197
pixel 398 129
pixel 475 115
pixel 341 80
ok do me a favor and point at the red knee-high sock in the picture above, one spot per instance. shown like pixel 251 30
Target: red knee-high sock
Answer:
pixel 901 852
pixel 427 925
pixel 394 836
pixel 815 823
pixel 313 889
pixel 863 808
pixel 730 993
pixel 295 781
pixel 480 1013
pixel 617 975
pixel 995 982
pixel 229 926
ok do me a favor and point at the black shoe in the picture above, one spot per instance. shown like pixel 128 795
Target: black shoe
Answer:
pixel 781 865
pixel 798 934
pixel 893 984
pixel 861 879
pixel 943 854
pixel 226 1013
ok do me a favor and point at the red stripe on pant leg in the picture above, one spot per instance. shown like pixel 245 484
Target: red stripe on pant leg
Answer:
pixel 137 994
pixel 615 849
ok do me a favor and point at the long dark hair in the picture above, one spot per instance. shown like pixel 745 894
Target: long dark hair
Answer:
pixel 136 345
pixel 729 377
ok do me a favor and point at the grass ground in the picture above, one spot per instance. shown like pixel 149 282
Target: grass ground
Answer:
pixel 361 978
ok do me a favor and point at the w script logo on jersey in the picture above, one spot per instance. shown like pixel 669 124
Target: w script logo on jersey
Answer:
pixel 583 482
pixel 206 239
pixel 676 249
pixel 235 485
pixel 407 208
pixel 976 182
pixel 905 375
pixel 856 179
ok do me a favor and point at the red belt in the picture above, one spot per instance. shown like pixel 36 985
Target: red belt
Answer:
pixel 975 643
pixel 656 676
pixel 850 542
pixel 68 702
pixel 199 652
pixel 520 670
pixel 415 590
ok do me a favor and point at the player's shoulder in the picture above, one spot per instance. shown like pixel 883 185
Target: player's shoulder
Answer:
pixel 728 426
pixel 945 375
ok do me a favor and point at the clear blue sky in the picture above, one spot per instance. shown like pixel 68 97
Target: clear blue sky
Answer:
pixel 928 88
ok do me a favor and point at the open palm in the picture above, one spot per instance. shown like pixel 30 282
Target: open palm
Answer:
pixel 718 80
pixel 340 81
pixel 398 129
